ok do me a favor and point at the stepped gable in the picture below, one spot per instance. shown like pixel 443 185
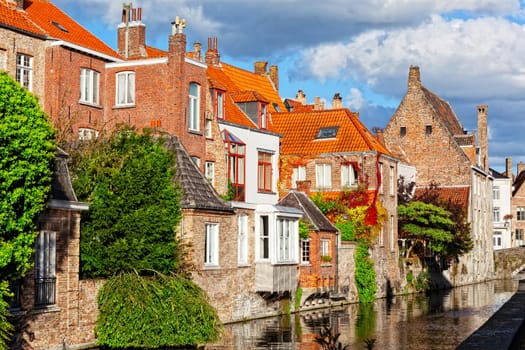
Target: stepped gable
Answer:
pixel 197 192
pixel 300 132
pixel 43 19
pixel 310 211
pixel 61 187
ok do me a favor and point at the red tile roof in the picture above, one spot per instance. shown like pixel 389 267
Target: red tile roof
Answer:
pixel 41 17
pixel 458 195
pixel 241 85
pixel 300 130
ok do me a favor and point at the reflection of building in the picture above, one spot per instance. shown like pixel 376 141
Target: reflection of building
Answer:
pixel 426 133
pixel 501 209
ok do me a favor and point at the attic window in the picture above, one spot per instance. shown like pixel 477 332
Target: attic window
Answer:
pixel 276 106
pixel 327 132
pixel 402 131
pixel 428 129
pixel 59 26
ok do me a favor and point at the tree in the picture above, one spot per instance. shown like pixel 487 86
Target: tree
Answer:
pixel 27 153
pixel 134 208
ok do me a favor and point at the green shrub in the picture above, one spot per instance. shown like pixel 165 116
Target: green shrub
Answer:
pixel 365 276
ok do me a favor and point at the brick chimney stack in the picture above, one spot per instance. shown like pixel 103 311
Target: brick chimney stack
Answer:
pixel 483 143
pixel 274 76
pixel 508 168
pixel 260 68
pixel 520 168
pixel 414 79
pixel 213 57
pixel 337 101
pixel 131 33
pixel 318 104
pixel 197 51
pixel 300 97
pixel 20 4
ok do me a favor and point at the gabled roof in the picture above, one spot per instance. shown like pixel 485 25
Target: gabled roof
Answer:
pixel 520 179
pixel 311 212
pixel 42 18
pixel 197 192
pixel 240 86
pixel 61 187
pixel 296 106
pixel 300 131
pixel 443 111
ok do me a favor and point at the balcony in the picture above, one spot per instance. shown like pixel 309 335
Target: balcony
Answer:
pixel 275 278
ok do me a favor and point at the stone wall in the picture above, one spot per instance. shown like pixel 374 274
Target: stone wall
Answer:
pixel 508 262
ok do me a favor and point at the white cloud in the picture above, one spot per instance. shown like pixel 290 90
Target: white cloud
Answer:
pixel 355 99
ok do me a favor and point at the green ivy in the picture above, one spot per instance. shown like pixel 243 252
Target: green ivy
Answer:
pixel 304 229
pixel 365 276
pixel 298 296
pixel 154 312
pixel 346 227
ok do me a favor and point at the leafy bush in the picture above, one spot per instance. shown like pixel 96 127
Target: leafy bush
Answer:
pixel 365 276
pixel 153 312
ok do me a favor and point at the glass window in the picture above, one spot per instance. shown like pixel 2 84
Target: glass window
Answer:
pixel 402 131
pixel 264 172
pixel 211 244
pixel 89 82
pixel 264 238
pixel 519 237
pixel 298 174
pixel 325 247
pixel 196 160
pixel 348 175
pixel 285 234
pixel 495 192
pixel 428 129
pixel 381 177
pixel 391 182
pixel 86 134
pixel 24 70
pixel 392 232
pixel 305 251
pixel 220 105
pixel 242 256
pixel 520 214
pixel 264 120
pixel 210 172
pixel 236 169
pixel 496 214
pixel 193 107
pixel 208 127
pixel 125 88
pixel 45 268
pixel 323 176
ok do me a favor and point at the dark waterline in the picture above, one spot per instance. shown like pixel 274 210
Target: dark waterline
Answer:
pixel 440 320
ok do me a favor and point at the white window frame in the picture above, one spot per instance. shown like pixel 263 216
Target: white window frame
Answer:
pixel 495 192
pixel 323 176
pixel 220 104
pixel 211 244
pixel 391 183
pixel 209 169
pixel 86 134
pixel 194 107
pixel 285 239
pixel 24 70
pixel 324 247
pixel 348 176
pixel 381 179
pixel 89 86
pixel 305 252
pixel 520 214
pixel 264 238
pixel 496 214
pixel 298 174
pixel 207 128
pixel 242 249
pixel 125 88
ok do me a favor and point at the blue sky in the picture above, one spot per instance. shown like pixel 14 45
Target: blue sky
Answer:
pixel 470 52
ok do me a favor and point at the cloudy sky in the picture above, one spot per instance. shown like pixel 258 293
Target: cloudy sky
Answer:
pixel 470 52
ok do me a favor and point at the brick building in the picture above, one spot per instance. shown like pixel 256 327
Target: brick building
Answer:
pixel 517 203
pixel 426 133
pixel 330 151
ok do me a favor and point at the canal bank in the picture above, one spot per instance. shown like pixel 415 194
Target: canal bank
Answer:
pixel 503 330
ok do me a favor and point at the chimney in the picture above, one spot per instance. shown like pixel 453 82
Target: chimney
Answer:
pixel 177 43
pixel 520 168
pixel 337 101
pixel 20 4
pixel 380 135
pixel 131 33
pixel 197 53
pixel 213 56
pixel 414 80
pixel 301 97
pixel 318 105
pixel 508 168
pixel 260 67
pixel 483 143
pixel 274 76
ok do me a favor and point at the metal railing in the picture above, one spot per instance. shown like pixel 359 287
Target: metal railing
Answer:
pixel 45 291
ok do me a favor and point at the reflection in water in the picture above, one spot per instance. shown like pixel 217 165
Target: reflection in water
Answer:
pixel 441 320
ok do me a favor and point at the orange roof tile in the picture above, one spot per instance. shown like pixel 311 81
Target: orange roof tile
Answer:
pixel 41 17
pixel 300 131
pixel 458 195
pixel 296 106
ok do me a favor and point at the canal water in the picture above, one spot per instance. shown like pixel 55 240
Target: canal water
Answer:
pixel 440 320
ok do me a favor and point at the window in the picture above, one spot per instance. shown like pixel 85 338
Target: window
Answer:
pixel 348 175
pixel 265 172
pixel 327 132
pixel 193 107
pixel 125 88
pixel 497 239
pixel 298 174
pixel 89 81
pixel 196 160
pixel 219 105
pixel 520 215
pixel 211 245
pixel 264 238
pixel 323 176
pixel 402 131
pixel 45 268
pixel 495 192
pixel 208 127
pixel 236 164
pixel 381 238
pixel 24 70
pixel 381 178
pixel 324 248
pixel 391 183
pixel 86 134
pixel 305 251
pixel 285 234
pixel 242 254
pixel 392 227
pixel 496 214
pixel 210 172
pixel 264 120
pixel 428 129
pixel 519 237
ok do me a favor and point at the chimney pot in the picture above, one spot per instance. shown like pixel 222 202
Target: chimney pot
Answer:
pixel 301 97
pixel 337 101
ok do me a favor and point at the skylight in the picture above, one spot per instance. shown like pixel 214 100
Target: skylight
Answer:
pixel 59 26
pixel 327 132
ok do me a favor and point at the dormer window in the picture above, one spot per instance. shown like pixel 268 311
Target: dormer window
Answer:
pixel 263 119
pixel 329 132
